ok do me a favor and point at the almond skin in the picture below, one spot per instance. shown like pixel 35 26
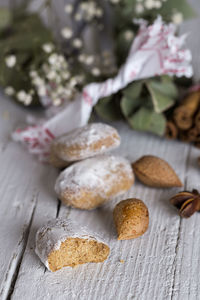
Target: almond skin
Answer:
pixel 155 172
pixel 131 218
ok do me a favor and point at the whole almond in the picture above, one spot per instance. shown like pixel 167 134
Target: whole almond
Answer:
pixel 155 172
pixel 131 218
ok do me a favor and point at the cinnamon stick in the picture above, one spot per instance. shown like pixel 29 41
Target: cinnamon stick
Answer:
pixel 192 134
pixel 171 130
pixel 197 120
pixel 197 144
pixel 183 136
pixel 183 114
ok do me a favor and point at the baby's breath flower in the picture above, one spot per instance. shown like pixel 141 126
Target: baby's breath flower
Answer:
pixel 42 91
pixel 48 48
pixel 177 18
pixel 90 10
pixel 61 59
pixel 24 97
pixel 96 72
pixel 10 61
pixel 28 99
pixel 60 89
pixel 78 17
pixel 65 75
pixel 9 90
pixel 139 8
pixel 73 82
pixel 80 78
pixel 82 57
pixel 58 79
pixel 149 4
pixel 115 1
pixel 67 33
pixel 77 43
pixel 83 6
pixel 38 81
pixel 89 60
pixel 53 58
pixel 21 96
pixel 33 74
pixel 57 101
pixel 157 4
pixel 128 34
pixel 99 12
pixel 69 9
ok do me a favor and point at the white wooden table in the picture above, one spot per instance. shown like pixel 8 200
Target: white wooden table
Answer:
pixel 162 264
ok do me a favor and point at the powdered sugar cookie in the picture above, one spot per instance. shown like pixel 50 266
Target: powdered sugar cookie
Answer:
pixel 89 183
pixel 84 142
pixel 63 243
pixel 57 162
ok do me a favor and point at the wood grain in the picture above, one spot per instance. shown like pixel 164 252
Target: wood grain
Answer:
pixel 148 267
pixel 162 264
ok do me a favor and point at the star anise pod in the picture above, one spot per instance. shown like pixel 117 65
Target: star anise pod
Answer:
pixel 187 202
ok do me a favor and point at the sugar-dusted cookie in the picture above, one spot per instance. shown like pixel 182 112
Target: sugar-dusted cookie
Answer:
pixel 63 243
pixel 84 142
pixel 131 218
pixel 89 183
pixel 57 162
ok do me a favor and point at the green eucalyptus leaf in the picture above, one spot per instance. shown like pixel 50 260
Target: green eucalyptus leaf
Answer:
pixel 165 86
pixel 128 105
pixel 133 90
pixel 131 99
pixel 146 119
pixel 5 17
pixel 162 96
pixel 107 109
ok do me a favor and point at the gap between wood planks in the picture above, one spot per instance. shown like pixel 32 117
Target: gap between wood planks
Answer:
pixel 15 263
pixel 14 266
pixel 180 223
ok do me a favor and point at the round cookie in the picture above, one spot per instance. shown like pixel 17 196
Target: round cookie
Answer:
pixel 62 243
pixel 80 143
pixel 89 183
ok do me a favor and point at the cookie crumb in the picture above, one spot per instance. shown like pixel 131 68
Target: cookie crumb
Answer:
pixel 122 261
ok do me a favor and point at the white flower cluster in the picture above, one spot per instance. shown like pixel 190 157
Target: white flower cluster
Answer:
pixel 115 1
pixel 10 61
pixel 22 95
pixel 88 11
pixel 67 33
pixel 69 8
pixel 54 80
pixel 177 18
pixel 141 5
pixel 97 64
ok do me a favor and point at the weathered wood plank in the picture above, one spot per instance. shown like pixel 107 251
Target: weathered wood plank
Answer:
pixel 187 263
pixel 19 194
pixel 149 261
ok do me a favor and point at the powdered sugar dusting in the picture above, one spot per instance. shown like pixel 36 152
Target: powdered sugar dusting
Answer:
pixel 84 138
pixel 50 236
pixel 98 173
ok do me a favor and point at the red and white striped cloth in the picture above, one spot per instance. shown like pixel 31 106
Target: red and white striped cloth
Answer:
pixel 155 51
